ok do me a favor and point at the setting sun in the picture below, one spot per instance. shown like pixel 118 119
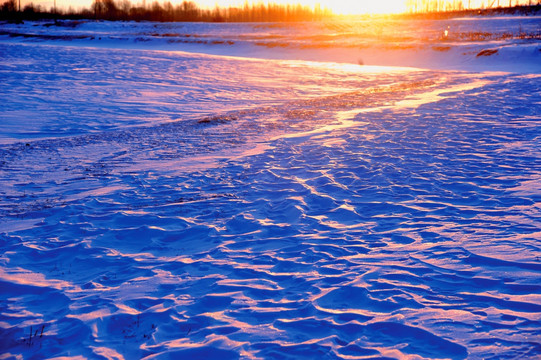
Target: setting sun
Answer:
pixel 345 7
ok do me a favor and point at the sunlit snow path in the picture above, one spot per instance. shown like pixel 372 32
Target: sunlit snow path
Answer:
pixel 224 208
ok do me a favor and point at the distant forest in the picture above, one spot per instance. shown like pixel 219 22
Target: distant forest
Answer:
pixel 434 6
pixel 165 11
pixel 124 10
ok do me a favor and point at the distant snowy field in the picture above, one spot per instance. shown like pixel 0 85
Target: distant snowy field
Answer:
pixel 224 191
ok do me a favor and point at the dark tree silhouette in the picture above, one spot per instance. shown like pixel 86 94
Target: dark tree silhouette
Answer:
pixel 249 12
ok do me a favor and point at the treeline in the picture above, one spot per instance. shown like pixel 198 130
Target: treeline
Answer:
pixel 530 10
pixel 433 6
pixel 186 11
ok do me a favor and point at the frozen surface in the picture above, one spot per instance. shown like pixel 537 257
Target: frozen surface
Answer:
pixel 510 43
pixel 57 91
pixel 184 205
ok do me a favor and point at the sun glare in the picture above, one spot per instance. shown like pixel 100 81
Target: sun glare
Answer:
pixel 345 7
pixel 341 7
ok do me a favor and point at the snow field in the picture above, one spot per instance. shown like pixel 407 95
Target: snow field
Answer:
pixel 170 205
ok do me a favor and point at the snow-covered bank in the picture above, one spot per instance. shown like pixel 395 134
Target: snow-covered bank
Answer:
pixel 510 43
pixel 176 205
pixel 64 91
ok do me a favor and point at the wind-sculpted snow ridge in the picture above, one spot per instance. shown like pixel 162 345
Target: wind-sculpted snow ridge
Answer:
pixel 180 145
pixel 62 91
pixel 395 221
